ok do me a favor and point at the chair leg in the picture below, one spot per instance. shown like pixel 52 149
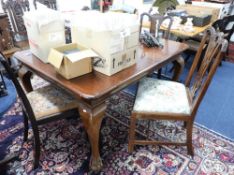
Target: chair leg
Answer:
pixel 148 130
pixel 184 124
pixel 187 58
pixel 160 73
pixel 36 146
pixel 25 127
pixel 6 160
pixel 132 133
pixel 178 65
pixel 189 138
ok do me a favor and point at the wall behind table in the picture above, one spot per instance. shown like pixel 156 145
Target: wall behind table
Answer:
pixel 64 5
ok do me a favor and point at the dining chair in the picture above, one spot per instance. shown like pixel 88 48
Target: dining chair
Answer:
pixel 173 101
pixel 224 25
pixel 41 106
pixel 159 30
pixel 156 21
pixel 49 3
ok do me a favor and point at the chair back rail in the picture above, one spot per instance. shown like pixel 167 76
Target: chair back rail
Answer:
pixel 199 81
pixel 156 21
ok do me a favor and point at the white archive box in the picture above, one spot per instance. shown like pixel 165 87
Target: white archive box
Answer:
pixel 45 30
pixel 114 36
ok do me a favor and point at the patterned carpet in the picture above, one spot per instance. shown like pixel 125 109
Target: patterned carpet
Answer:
pixel 65 149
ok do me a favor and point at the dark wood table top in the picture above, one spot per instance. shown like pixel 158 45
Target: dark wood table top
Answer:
pixel 95 85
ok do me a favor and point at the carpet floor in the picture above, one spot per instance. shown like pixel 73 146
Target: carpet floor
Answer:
pixel 65 149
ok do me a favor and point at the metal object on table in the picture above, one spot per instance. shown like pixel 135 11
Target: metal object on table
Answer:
pixel 3 90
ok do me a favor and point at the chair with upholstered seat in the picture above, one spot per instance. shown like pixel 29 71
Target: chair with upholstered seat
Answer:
pixel 166 100
pixel 161 26
pixel 224 25
pixel 156 20
pixel 41 106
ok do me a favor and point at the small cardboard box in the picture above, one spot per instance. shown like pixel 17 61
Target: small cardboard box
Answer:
pixel 45 30
pixel 71 60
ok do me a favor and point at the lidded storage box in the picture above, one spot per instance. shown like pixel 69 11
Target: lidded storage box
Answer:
pixel 45 30
pixel 114 36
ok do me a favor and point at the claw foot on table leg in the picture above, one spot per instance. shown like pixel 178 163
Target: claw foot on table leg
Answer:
pixel 96 164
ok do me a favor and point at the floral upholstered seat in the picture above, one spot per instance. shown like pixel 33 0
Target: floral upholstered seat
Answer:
pixel 172 101
pixel 50 100
pixel 161 96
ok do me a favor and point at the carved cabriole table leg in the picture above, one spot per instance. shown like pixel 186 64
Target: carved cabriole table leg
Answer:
pixel 25 76
pixel 178 66
pixel 92 119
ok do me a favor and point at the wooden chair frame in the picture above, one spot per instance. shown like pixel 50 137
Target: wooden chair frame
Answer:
pixel 195 92
pixel 157 19
pixel 29 115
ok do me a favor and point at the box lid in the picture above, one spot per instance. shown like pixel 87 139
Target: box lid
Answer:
pixel 43 18
pixel 55 58
pixel 73 57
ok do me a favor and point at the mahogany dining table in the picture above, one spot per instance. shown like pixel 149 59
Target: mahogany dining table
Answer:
pixel 93 89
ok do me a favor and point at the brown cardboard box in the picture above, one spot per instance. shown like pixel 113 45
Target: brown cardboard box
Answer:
pixel 71 60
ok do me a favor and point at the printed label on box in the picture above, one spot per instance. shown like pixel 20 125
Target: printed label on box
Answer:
pixel 124 33
pixel 116 44
pixel 55 36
